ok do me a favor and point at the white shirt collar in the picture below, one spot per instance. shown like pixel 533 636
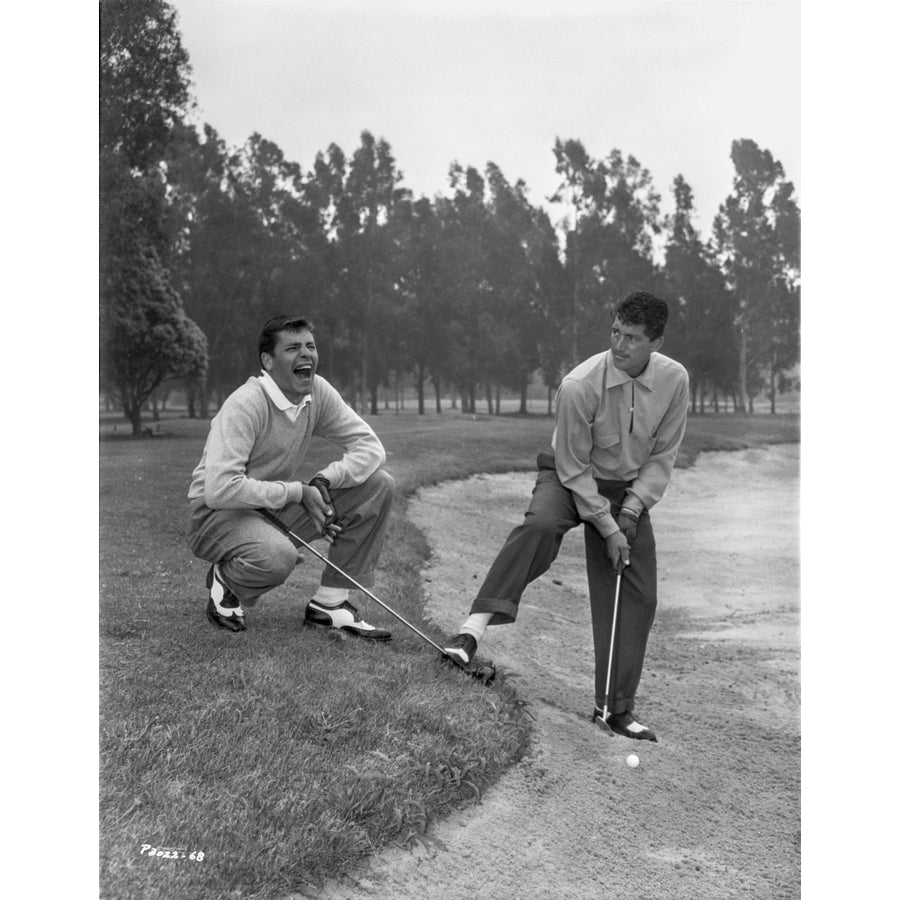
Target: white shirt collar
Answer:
pixel 616 376
pixel 271 388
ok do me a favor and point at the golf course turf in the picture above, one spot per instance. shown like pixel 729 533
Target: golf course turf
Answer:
pixel 284 755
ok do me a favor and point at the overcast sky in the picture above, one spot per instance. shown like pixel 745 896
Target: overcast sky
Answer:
pixel 670 82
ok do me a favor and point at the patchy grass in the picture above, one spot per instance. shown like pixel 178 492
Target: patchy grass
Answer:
pixel 735 432
pixel 284 755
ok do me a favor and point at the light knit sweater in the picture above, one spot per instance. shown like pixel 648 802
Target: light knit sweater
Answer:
pixel 254 452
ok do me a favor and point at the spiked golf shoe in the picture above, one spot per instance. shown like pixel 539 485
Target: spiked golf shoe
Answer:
pixel 344 618
pixel 626 725
pixel 461 649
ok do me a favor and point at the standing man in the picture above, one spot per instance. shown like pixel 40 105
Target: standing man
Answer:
pixel 253 456
pixel 620 418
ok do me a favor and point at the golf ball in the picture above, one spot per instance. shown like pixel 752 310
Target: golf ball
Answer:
pixel 632 760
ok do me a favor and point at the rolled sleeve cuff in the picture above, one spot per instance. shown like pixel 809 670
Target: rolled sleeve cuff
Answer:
pixel 606 525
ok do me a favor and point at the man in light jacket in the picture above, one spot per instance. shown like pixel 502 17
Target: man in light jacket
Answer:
pixel 620 418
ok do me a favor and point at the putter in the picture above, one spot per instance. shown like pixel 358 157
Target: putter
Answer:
pixel 604 726
pixel 484 672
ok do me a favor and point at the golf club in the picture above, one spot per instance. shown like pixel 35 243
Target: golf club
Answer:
pixel 484 672
pixel 612 643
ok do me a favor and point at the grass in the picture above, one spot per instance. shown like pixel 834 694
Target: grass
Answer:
pixel 285 755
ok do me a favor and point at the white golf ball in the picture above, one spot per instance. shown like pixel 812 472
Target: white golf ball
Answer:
pixel 632 760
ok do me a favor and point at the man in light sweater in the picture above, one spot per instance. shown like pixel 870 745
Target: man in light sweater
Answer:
pixel 253 459
pixel 620 418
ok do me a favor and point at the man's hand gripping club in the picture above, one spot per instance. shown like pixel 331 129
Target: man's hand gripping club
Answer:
pixel 317 503
pixel 617 550
pixel 618 544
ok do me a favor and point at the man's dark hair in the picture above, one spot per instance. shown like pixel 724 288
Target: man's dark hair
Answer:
pixel 265 343
pixel 642 308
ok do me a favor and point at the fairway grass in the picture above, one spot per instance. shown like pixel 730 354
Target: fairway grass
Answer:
pixel 266 761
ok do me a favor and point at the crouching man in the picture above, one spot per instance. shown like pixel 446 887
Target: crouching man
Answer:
pixel 252 459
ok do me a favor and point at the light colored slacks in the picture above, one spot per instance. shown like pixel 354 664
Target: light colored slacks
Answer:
pixel 254 556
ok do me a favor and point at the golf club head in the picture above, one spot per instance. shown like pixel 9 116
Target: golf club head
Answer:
pixel 484 672
pixel 601 723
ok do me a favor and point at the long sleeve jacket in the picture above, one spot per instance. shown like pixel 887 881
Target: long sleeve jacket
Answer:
pixel 614 427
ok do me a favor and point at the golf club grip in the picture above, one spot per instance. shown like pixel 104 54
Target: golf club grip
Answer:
pixel 268 514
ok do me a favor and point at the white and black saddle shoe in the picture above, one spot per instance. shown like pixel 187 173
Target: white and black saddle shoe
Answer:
pixel 626 725
pixel 343 618
pixel 461 650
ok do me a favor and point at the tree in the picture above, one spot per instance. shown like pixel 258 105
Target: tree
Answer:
pixel 280 262
pixel 144 80
pixel 364 196
pixel 619 236
pixel 700 333
pixel 358 203
pixel 757 237
pixel 523 268
pixel 550 293
pixel 582 183
pixel 469 237
pixel 217 260
pixel 424 313
pixel 146 337
pixel 609 251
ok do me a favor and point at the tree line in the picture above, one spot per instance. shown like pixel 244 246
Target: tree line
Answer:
pixel 470 293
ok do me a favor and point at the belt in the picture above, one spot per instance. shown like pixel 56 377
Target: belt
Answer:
pixel 546 459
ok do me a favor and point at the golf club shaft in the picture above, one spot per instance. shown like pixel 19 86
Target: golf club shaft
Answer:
pixel 279 524
pixel 612 641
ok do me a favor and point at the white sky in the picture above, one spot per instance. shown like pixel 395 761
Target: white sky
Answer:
pixel 669 81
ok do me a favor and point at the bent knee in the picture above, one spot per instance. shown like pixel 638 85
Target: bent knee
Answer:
pixel 274 561
pixel 543 525
pixel 383 482
pixel 379 490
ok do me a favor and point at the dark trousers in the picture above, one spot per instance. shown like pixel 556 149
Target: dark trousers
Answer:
pixel 254 556
pixel 530 550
